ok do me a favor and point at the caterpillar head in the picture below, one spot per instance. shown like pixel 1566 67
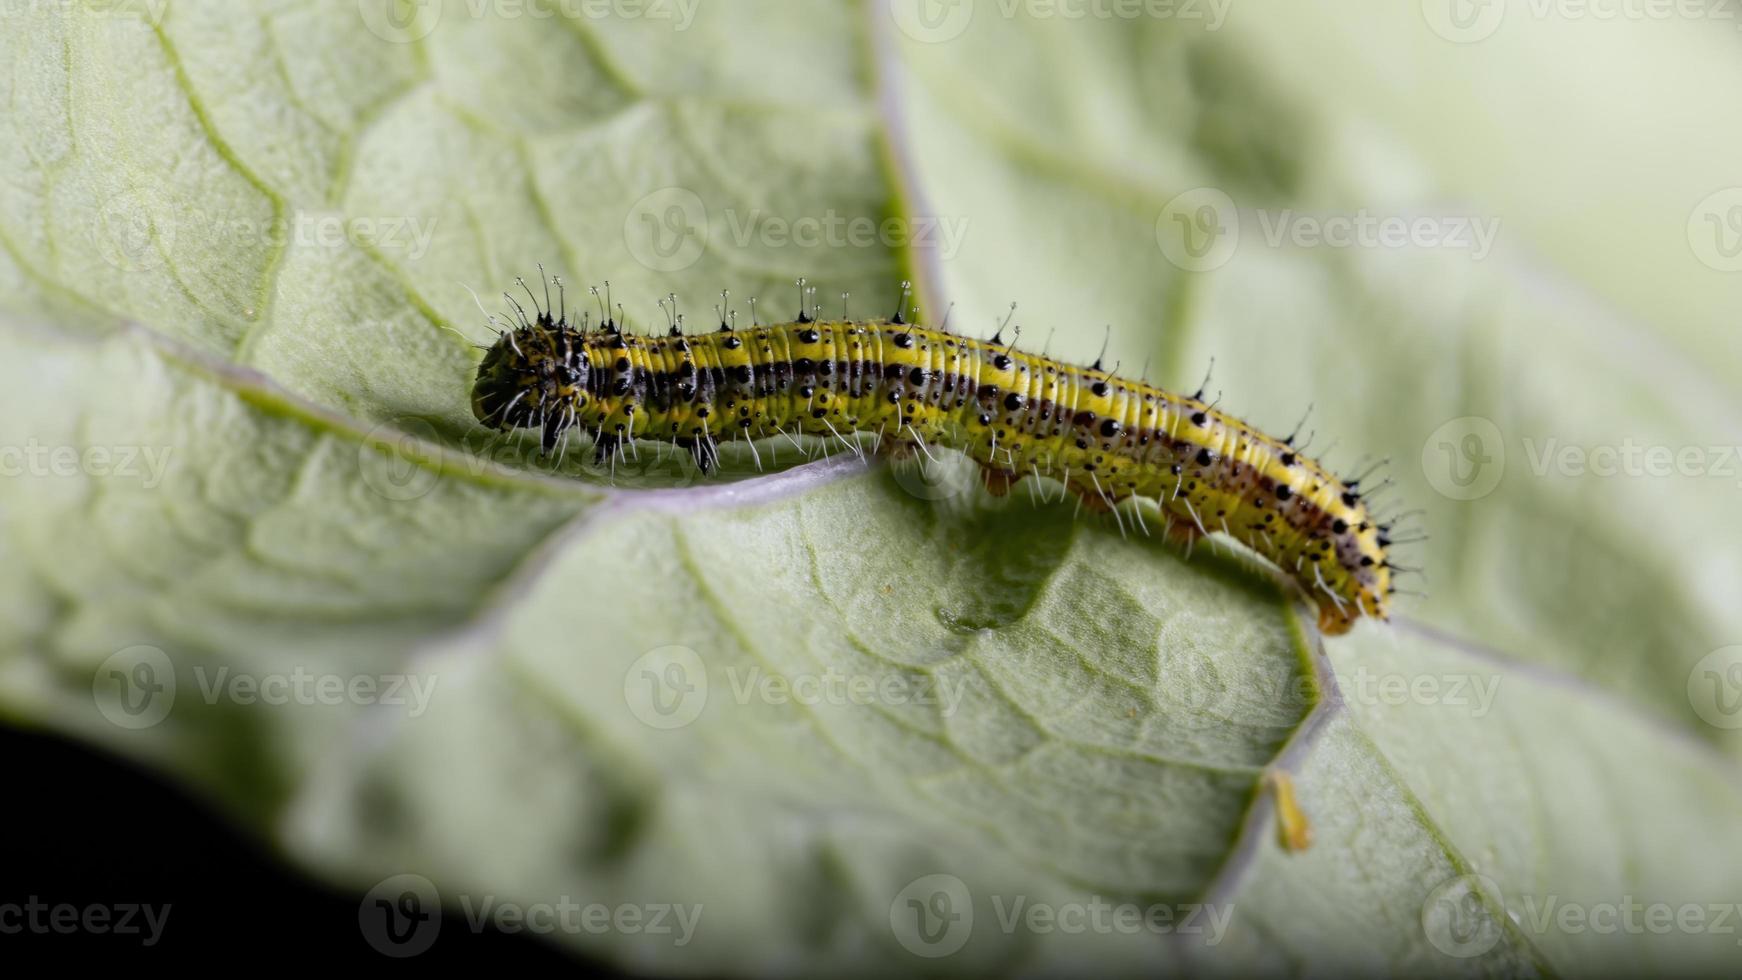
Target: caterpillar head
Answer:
pixel 534 376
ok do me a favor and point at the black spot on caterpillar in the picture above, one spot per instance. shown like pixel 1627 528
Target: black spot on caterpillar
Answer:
pixel 1105 437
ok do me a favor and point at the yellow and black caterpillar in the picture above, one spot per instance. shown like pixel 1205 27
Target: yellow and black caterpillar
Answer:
pixel 1015 413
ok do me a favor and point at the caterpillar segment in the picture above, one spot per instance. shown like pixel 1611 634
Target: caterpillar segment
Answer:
pixel 1019 415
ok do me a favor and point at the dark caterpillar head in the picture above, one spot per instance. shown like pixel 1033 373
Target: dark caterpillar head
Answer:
pixel 532 376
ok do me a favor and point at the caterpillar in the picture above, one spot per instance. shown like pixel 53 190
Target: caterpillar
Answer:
pixel 908 387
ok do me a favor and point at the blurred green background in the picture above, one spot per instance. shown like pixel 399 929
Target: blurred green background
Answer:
pixel 1495 242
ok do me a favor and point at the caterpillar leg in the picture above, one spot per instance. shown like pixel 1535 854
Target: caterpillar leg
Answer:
pixel 900 451
pixel 998 482
pixel 1181 532
pixel 554 427
pixel 1095 499
pixel 604 447
pixel 705 452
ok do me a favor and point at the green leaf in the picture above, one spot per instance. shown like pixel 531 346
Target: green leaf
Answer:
pixel 813 701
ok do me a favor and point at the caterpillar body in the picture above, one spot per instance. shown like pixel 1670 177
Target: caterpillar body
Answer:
pixel 1017 414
